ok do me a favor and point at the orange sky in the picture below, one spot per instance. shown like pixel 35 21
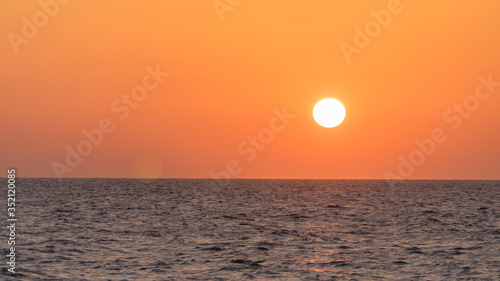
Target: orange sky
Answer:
pixel 63 66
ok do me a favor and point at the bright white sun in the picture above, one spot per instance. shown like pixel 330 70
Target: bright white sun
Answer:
pixel 329 113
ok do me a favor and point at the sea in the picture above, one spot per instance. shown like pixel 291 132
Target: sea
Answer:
pixel 239 229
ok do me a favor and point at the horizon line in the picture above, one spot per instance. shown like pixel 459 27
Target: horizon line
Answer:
pixel 179 178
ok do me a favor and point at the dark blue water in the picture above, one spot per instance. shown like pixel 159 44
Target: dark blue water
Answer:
pixel 124 229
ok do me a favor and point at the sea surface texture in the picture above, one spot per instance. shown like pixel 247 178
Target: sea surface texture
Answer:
pixel 181 229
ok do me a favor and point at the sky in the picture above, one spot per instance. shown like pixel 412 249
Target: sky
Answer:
pixel 226 89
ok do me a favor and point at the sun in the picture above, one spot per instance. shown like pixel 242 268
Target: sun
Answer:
pixel 329 113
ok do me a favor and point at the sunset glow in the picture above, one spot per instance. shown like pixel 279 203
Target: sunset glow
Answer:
pixel 89 87
pixel 250 139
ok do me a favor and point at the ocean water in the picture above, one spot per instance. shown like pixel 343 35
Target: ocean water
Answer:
pixel 181 229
